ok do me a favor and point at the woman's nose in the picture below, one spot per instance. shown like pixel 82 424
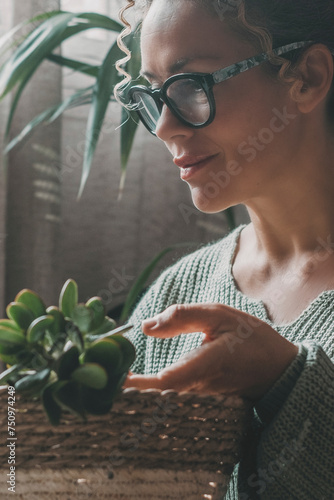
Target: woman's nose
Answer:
pixel 169 126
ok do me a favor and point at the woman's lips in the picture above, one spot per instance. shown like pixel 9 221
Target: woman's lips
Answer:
pixel 189 165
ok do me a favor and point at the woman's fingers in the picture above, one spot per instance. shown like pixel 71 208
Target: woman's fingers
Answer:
pixel 197 371
pixel 211 319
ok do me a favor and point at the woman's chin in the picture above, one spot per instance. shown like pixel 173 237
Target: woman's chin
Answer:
pixel 207 204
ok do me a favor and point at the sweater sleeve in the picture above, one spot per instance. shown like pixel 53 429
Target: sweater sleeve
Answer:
pixel 163 292
pixel 293 455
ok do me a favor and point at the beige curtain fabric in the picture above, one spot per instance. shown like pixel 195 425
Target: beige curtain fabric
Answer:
pixel 33 183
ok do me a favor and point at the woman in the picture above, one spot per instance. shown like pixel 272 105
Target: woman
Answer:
pixel 258 133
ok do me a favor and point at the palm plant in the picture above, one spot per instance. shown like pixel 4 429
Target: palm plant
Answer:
pixel 40 45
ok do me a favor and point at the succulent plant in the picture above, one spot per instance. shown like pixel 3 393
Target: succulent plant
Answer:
pixel 72 356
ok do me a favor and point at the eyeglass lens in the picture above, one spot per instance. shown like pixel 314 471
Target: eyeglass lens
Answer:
pixel 187 99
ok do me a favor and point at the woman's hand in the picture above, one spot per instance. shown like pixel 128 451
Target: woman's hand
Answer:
pixel 240 354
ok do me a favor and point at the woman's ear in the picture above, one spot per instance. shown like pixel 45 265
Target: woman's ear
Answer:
pixel 315 72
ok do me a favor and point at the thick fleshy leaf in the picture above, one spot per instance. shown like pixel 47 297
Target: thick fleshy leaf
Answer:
pixel 128 352
pixel 51 407
pixel 95 304
pixel 82 317
pixel 33 383
pixel 68 297
pixel 32 300
pixel 106 353
pixel 38 327
pixel 91 375
pixel 69 398
pixel 7 374
pixel 58 325
pixel 9 323
pixel 100 401
pixel 21 314
pixel 103 91
pixel 109 332
pixel 11 338
pixel 67 363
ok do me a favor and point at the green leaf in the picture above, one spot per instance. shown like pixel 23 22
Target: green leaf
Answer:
pixel 95 304
pixel 13 357
pixel 15 100
pixel 79 98
pixel 82 67
pixel 109 334
pixel 99 401
pixel 40 43
pixel 11 338
pixel 38 327
pixel 51 407
pixel 29 55
pixel 58 326
pixel 106 353
pixel 94 20
pixel 91 375
pixel 68 297
pixel 140 282
pixel 7 374
pixel 103 89
pixel 12 325
pixel 128 352
pixel 82 317
pixel 107 325
pixel 8 37
pixel 69 398
pixel 32 300
pixel 33 383
pixel 20 313
pixel 68 362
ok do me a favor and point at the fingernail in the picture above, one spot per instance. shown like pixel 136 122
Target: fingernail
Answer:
pixel 150 323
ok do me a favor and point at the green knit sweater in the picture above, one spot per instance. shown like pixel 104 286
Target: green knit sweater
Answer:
pixel 291 449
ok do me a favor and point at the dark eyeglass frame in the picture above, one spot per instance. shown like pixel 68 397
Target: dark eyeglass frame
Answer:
pixel 207 81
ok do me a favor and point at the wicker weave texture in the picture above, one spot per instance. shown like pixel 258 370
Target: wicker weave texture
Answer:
pixel 152 445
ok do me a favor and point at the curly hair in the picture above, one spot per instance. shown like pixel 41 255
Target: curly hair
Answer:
pixel 266 25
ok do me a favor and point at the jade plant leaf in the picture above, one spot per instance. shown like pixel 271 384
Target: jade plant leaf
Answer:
pixel 33 383
pixel 91 375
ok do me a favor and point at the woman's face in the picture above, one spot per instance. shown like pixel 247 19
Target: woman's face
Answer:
pixel 250 145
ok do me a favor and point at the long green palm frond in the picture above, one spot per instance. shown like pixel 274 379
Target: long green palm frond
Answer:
pixel 39 44
pixel 102 94
pixel 79 98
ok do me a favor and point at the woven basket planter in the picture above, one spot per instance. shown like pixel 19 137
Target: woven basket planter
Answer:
pixel 152 446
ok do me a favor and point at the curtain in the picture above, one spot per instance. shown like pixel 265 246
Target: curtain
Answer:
pixel 33 183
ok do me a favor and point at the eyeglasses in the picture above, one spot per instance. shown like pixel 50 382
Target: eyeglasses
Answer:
pixel 189 96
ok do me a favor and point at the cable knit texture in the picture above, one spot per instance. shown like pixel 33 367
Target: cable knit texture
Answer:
pixel 291 447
